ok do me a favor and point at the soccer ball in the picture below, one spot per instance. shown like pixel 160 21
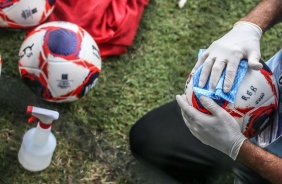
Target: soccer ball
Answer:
pixel 24 13
pixel 254 104
pixel 59 61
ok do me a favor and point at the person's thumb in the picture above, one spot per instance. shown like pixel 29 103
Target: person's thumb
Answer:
pixel 210 105
pixel 253 61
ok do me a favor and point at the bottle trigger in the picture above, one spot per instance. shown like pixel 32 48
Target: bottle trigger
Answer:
pixel 31 119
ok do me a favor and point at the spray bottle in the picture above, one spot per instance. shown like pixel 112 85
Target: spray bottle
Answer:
pixel 39 142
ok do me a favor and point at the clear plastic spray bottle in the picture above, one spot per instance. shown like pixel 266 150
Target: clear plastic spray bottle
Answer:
pixel 38 143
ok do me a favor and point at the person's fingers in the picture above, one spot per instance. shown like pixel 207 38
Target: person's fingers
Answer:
pixel 216 72
pixel 253 61
pixel 231 70
pixel 190 113
pixel 206 70
pixel 186 120
pixel 200 62
pixel 183 96
pixel 185 106
pixel 182 103
pixel 210 105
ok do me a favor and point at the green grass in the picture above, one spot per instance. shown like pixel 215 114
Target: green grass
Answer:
pixel 92 133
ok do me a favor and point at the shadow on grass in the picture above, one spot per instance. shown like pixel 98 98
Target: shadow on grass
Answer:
pixel 145 175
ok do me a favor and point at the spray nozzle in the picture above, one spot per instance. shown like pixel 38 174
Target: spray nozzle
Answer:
pixel 44 116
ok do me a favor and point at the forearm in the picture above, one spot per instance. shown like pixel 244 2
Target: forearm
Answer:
pixel 266 14
pixel 262 162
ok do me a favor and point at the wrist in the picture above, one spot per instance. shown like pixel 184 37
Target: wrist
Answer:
pixel 266 14
pixel 237 146
pixel 245 25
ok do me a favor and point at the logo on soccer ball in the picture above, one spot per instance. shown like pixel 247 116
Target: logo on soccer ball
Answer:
pixel 27 13
pixel 27 51
pixel 64 82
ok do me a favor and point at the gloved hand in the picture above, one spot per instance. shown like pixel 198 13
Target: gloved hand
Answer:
pixel 219 130
pixel 242 42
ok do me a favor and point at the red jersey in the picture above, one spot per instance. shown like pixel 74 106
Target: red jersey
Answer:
pixel 112 23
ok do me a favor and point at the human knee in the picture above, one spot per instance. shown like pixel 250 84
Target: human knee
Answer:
pixel 137 139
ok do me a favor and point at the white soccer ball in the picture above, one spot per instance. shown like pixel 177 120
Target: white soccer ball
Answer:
pixel 59 61
pixel 254 104
pixel 24 13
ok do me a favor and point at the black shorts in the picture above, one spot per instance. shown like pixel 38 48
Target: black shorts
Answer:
pixel 161 139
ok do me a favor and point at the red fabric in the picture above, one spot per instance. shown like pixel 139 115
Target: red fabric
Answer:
pixel 112 23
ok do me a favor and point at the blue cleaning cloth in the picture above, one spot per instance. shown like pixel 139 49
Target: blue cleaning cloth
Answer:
pixel 218 93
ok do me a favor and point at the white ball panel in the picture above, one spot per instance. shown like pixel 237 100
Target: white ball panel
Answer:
pixel 30 50
pixel 26 12
pixel 271 100
pixel 65 77
pixel 90 51
pixel 189 90
pixel 253 91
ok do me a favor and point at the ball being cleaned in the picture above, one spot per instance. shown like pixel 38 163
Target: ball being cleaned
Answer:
pixel 255 102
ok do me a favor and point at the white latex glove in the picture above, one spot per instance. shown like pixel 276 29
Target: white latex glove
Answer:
pixel 243 41
pixel 219 130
